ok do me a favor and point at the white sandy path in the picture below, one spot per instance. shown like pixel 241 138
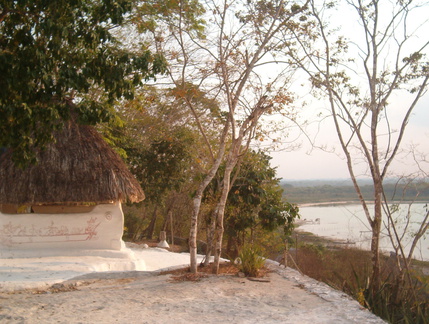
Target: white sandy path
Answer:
pixel 28 273
pixel 147 297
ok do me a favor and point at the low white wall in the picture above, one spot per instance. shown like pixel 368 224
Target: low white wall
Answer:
pixel 23 235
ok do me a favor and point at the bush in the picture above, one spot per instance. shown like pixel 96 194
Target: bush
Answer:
pixel 250 261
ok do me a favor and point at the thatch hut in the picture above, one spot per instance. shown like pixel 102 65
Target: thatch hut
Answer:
pixel 71 199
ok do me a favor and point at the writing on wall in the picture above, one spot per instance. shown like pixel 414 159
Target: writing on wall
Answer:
pixel 18 233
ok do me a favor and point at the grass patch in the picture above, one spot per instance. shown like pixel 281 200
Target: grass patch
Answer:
pixel 349 270
pixel 250 260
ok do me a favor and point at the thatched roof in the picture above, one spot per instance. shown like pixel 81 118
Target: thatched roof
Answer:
pixel 79 167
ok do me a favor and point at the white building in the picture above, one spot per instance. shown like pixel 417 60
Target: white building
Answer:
pixel 69 201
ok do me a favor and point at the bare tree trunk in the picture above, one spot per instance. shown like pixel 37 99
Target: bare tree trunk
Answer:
pixel 237 148
pixel 150 229
pixel 193 231
pixel 210 238
pixel 360 112
pixel 236 81
pixel 170 216
pixel 197 203
pixel 375 243
pixel 286 252
pixel 220 212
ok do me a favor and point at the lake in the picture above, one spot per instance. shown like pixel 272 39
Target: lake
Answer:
pixel 348 223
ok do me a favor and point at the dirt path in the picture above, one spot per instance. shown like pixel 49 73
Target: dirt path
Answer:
pixel 142 297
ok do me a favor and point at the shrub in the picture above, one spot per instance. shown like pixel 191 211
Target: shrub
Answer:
pixel 251 261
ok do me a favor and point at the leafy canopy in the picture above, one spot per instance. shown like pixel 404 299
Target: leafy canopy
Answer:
pixel 256 198
pixel 52 54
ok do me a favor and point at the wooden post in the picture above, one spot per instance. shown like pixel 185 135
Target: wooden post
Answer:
pixel 170 215
pixel 296 248
pixel 286 252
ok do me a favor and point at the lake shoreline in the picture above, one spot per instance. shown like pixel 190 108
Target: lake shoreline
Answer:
pixel 346 223
pixel 302 236
pixel 353 202
pixel 329 203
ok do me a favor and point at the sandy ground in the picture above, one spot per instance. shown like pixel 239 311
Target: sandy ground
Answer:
pixel 152 297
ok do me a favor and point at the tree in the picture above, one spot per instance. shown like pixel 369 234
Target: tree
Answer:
pixel 387 63
pixel 256 201
pixel 160 144
pixel 227 64
pixel 52 54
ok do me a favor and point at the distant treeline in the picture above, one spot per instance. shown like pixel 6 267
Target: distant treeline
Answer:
pixel 336 193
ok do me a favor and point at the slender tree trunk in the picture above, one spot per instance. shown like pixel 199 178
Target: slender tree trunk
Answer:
pixel 170 216
pixel 220 212
pixel 197 205
pixel 376 229
pixel 375 244
pixel 198 198
pixel 194 228
pixel 149 230
pixel 233 157
pixel 286 253
pixel 210 238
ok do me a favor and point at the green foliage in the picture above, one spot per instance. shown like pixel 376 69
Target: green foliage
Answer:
pixel 250 260
pixel 255 199
pixel 164 162
pixel 190 12
pixel 157 143
pixel 163 150
pixel 133 225
pixel 55 52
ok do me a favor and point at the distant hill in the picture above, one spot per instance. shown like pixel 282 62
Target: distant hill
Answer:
pixel 328 182
pixel 337 190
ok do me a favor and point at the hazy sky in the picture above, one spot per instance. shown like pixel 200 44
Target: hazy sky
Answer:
pixel 305 163
pixel 317 164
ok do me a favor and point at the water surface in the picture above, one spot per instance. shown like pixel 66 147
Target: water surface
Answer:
pixel 349 224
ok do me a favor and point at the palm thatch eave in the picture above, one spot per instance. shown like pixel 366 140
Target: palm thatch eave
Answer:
pixel 78 167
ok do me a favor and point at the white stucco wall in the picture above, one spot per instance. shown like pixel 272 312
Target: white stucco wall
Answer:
pixel 23 235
